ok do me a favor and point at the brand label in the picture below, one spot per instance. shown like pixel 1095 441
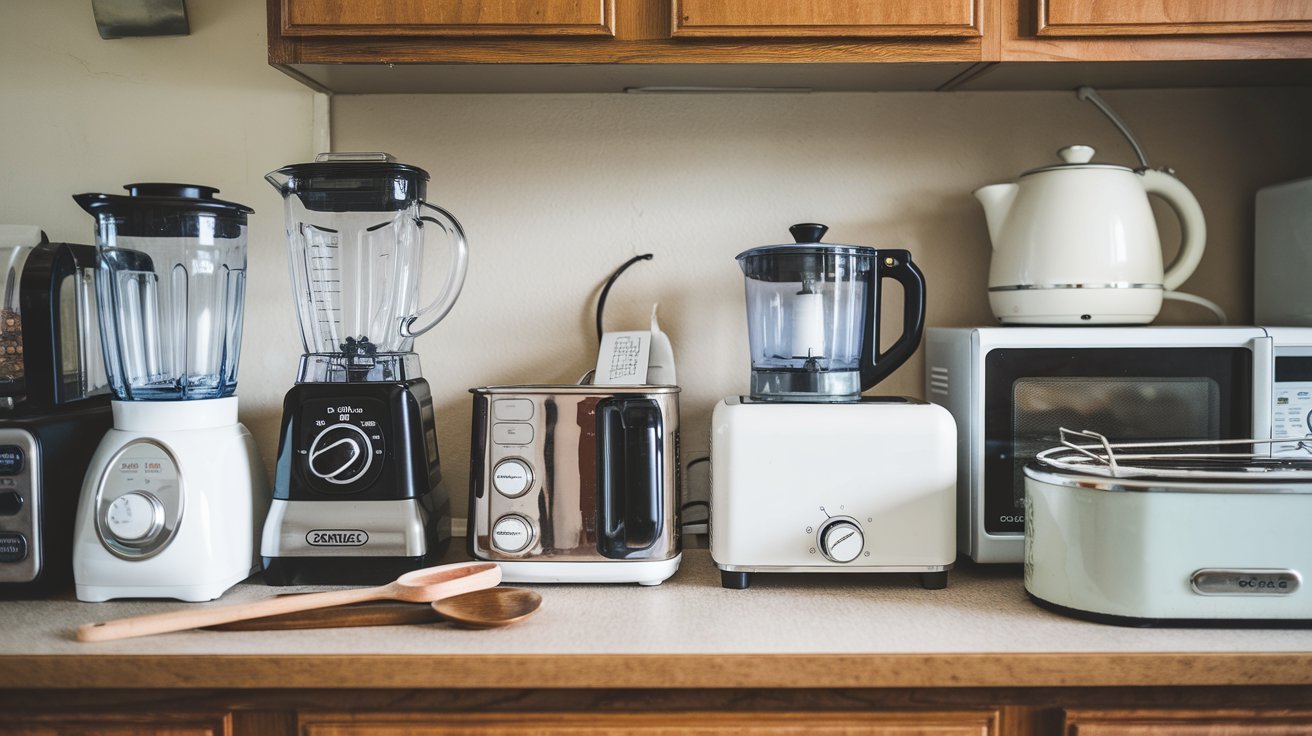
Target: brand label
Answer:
pixel 1245 582
pixel 337 538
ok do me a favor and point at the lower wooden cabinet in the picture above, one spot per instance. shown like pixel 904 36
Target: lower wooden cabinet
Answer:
pixel 1188 723
pixel 116 723
pixel 964 723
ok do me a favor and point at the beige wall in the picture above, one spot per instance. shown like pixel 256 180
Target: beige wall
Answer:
pixel 556 190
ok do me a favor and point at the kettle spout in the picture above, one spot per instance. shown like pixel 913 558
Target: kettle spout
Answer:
pixel 997 200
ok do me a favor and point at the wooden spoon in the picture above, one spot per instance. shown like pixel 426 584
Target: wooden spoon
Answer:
pixel 490 608
pixel 419 586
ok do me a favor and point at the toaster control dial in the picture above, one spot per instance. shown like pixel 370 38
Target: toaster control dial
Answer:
pixel 134 517
pixel 841 540
pixel 511 534
pixel 512 477
pixel 341 454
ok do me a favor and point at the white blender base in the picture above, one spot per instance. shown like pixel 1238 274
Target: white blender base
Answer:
pixel 646 572
pixel 213 544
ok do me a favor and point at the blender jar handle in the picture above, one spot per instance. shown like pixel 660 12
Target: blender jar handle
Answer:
pixel 896 265
pixel 455 278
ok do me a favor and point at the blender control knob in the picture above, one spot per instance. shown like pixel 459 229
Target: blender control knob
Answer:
pixel 134 517
pixel 842 540
pixel 341 454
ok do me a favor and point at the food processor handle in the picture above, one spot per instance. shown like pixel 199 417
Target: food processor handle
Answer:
pixel 455 278
pixel 896 265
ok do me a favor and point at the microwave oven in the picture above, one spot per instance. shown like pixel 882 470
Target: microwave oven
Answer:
pixel 1010 389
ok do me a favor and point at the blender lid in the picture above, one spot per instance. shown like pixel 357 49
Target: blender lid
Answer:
pixel 807 236
pixel 352 182
pixel 165 197
pixel 350 166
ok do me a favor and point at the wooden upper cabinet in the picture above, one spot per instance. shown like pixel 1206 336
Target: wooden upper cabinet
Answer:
pixel 826 18
pixel 1171 17
pixel 448 18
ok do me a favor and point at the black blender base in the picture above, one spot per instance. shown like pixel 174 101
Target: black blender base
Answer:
pixel 341 570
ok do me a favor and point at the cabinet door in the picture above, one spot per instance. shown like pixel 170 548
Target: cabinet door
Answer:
pixel 962 723
pixel 116 724
pixel 1169 17
pixel 448 18
pixel 826 18
pixel 1188 723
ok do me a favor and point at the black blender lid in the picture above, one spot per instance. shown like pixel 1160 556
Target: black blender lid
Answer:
pixel 163 196
pixel 352 182
pixel 807 236
pixel 350 166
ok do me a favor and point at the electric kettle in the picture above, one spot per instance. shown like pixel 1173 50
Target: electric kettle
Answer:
pixel 1076 243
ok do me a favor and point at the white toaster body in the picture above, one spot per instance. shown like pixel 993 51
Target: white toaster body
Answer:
pixel 860 487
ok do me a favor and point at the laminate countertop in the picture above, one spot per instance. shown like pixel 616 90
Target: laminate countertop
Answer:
pixel 784 631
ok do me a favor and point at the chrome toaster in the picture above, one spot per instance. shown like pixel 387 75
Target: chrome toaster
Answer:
pixel 572 483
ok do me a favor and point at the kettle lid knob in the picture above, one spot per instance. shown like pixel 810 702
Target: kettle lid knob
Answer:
pixel 1076 154
pixel 808 232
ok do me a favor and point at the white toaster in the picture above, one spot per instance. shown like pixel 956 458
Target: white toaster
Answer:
pixel 863 487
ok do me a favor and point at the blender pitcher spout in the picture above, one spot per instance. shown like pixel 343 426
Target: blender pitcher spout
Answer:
pixel 279 179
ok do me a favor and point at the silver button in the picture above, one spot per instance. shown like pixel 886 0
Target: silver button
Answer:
pixel 512 410
pixel 512 433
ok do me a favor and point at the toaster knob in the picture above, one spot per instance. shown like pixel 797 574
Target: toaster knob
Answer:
pixel 511 534
pixel 512 477
pixel 842 540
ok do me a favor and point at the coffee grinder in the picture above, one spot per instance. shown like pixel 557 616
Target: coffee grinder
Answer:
pixel 807 475
pixel 54 404
pixel 358 497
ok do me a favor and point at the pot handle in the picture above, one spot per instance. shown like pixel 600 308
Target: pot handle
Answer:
pixel 1193 229
pixel 896 265
pixel 455 278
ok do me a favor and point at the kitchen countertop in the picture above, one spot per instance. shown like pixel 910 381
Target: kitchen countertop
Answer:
pixel 784 631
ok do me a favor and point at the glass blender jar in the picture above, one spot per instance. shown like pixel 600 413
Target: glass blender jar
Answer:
pixel 358 497
pixel 175 489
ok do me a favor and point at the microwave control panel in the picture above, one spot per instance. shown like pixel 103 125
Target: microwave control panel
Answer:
pixel 1291 410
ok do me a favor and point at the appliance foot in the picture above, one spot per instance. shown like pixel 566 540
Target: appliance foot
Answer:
pixel 934 580
pixel 735 580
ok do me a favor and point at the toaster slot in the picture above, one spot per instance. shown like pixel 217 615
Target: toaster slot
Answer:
pixel 630 476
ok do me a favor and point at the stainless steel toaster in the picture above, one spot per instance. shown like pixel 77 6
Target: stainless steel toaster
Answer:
pixel 573 483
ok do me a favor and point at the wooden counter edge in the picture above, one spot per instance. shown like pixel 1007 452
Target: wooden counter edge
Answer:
pixel 656 671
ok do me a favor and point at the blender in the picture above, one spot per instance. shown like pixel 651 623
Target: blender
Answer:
pixel 358 493
pixel 175 491
pixel 808 475
pixel 54 403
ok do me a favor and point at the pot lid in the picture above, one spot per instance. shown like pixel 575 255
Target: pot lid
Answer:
pixel 1076 157
pixel 160 196
pixel 807 236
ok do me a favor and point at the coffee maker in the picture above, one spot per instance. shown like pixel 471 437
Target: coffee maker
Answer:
pixel 358 493
pixel 54 404
pixel 176 490
pixel 808 475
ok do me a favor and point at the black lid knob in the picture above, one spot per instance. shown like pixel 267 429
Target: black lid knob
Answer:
pixel 808 232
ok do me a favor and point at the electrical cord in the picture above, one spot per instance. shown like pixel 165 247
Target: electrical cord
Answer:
pixel 605 290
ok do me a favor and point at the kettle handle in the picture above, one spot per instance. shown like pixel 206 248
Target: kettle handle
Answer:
pixel 896 265
pixel 1193 229
pixel 455 277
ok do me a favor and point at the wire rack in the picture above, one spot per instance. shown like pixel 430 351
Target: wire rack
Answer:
pixel 1193 459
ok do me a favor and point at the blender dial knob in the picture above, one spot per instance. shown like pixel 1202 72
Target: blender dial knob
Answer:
pixel 136 516
pixel 341 453
pixel 842 541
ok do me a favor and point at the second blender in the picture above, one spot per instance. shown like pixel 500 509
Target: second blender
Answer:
pixel 358 497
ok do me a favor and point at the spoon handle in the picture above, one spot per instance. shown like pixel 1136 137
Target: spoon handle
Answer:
pixel 194 618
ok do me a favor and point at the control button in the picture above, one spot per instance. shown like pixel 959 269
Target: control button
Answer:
pixel 134 517
pixel 10 503
pixel 341 454
pixel 512 410
pixel 13 547
pixel 512 477
pixel 11 459
pixel 508 433
pixel 842 541
pixel 511 534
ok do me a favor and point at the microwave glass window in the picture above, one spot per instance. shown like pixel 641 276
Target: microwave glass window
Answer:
pixel 1127 394
pixel 1120 408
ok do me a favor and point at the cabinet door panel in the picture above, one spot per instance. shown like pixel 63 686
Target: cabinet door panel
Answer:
pixel 448 18
pixel 1168 17
pixel 826 18
pixel 115 724
pixel 962 723
pixel 1188 723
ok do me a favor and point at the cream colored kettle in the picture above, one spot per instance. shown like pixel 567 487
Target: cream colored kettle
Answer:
pixel 1076 243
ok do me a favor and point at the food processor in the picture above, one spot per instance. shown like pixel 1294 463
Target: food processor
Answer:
pixel 175 491
pixel 54 404
pixel 358 493
pixel 807 475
